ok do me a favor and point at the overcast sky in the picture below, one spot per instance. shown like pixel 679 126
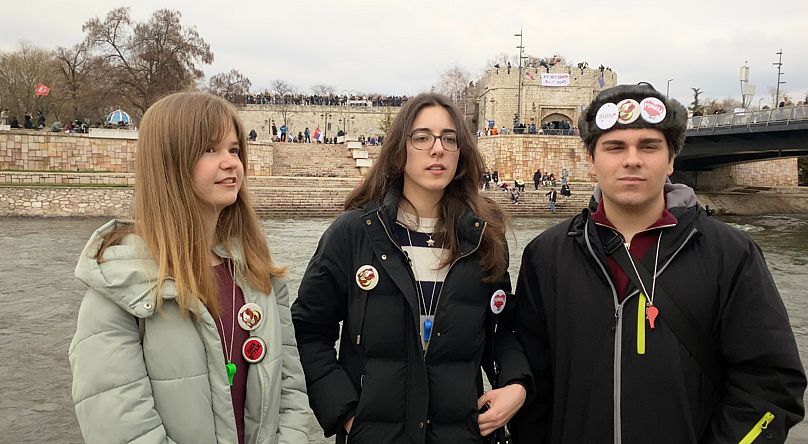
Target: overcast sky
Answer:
pixel 401 47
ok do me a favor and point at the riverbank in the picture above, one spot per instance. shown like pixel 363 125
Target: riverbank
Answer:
pixel 283 197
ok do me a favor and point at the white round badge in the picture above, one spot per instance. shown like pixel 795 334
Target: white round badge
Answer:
pixel 367 277
pixel 606 116
pixel 628 110
pixel 653 110
pixel 250 316
pixel 498 300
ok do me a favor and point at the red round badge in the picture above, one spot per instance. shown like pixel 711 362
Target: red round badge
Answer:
pixel 254 350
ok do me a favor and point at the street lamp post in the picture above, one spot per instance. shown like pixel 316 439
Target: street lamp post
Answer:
pixel 325 130
pixel 760 100
pixel 778 64
pixel 668 89
pixel 521 49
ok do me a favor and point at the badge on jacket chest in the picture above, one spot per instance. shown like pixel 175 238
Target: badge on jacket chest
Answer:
pixel 498 300
pixel 367 277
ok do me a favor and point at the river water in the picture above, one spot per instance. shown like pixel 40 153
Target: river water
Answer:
pixel 39 301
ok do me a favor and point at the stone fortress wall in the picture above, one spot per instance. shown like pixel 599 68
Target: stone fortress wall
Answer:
pixel 355 120
pixel 497 95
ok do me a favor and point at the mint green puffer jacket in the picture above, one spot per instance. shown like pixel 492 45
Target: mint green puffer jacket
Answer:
pixel 170 384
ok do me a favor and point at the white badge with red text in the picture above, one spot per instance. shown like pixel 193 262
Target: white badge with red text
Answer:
pixel 250 316
pixel 628 110
pixel 498 300
pixel 367 277
pixel 254 350
pixel 653 110
pixel 606 116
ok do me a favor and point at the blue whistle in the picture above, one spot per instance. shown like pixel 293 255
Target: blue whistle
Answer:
pixel 427 329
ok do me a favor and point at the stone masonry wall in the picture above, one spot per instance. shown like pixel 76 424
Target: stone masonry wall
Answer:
pixel 49 202
pixel 356 120
pixel 766 173
pixel 29 150
pixel 517 157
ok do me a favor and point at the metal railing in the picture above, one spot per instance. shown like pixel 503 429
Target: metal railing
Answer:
pixel 764 117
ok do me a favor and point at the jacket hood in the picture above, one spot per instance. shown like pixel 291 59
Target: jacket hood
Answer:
pixel 127 275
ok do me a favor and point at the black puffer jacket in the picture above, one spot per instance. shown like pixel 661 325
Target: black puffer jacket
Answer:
pixel 382 377
pixel 593 386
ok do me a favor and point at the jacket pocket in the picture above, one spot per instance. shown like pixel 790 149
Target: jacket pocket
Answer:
pixel 761 425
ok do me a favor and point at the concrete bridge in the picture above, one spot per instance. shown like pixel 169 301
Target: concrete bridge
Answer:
pixel 724 139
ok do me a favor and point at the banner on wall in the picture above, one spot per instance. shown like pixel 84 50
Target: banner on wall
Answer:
pixel 553 79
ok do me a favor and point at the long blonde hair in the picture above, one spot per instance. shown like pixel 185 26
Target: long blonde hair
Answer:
pixel 174 133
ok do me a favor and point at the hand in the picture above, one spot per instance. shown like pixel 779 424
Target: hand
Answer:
pixel 503 403
pixel 349 424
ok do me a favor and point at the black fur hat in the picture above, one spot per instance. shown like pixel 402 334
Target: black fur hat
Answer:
pixel 633 106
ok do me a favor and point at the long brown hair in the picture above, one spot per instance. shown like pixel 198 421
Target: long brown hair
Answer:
pixel 462 193
pixel 174 133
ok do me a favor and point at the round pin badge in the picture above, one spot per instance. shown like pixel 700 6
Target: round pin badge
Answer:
pixel 653 110
pixel 250 316
pixel 606 116
pixel 367 277
pixel 628 110
pixel 498 300
pixel 254 350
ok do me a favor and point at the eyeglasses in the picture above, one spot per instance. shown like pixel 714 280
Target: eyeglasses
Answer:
pixel 424 140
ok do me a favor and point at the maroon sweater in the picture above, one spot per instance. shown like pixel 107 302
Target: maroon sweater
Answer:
pixel 641 244
pixel 238 391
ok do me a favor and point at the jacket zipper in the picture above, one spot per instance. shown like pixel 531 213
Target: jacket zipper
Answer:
pixel 761 425
pixel 618 349
pixel 619 325
pixel 437 303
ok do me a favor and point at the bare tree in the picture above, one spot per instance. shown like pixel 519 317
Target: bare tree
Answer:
pixel 233 86
pixel 148 59
pixel 20 72
pixel 324 90
pixel 88 91
pixel 453 83
pixel 282 89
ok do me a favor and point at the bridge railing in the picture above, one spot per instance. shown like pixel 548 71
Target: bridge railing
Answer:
pixel 748 118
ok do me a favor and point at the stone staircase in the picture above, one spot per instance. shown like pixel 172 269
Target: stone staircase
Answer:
pixel 301 197
pixel 296 160
pixel 533 203
pixel 349 160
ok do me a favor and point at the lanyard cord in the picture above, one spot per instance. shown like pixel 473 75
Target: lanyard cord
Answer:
pixel 229 351
pixel 428 311
pixel 653 279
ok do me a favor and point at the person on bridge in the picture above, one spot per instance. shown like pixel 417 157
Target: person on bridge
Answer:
pixel 644 319
pixel 415 270
pixel 185 333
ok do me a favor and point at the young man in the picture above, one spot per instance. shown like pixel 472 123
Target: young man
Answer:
pixel 701 353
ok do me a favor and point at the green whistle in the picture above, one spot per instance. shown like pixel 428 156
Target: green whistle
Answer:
pixel 231 371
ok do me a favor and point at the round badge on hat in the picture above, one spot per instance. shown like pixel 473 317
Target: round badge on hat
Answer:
pixel 498 300
pixel 628 110
pixel 367 277
pixel 250 316
pixel 653 110
pixel 606 116
pixel 254 350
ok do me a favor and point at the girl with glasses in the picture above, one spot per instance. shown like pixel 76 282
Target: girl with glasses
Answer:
pixel 415 271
